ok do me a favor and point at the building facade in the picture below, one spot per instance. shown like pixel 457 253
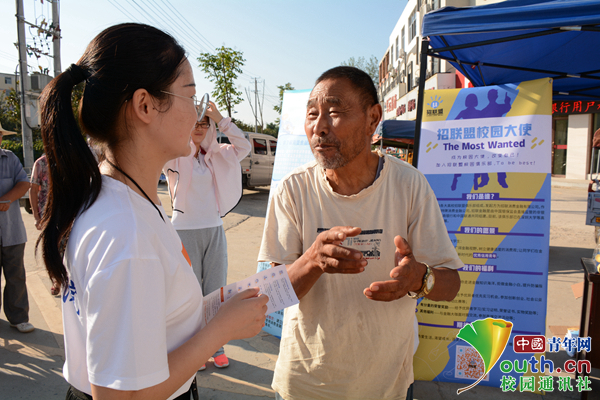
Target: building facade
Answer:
pixel 38 82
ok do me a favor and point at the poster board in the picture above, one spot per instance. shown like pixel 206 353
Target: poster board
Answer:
pixel 486 153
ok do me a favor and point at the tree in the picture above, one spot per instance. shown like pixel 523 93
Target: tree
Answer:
pixel 272 128
pixel 370 66
pixel 10 111
pixel 282 88
pixel 242 125
pixel 222 69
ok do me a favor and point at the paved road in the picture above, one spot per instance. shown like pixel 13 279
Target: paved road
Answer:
pixel 31 364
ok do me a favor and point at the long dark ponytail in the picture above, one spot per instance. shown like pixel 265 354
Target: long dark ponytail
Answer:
pixel 119 61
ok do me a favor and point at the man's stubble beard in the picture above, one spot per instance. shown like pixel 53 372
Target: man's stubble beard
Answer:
pixel 343 155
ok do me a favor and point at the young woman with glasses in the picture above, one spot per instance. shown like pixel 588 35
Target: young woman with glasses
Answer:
pixel 204 186
pixel 132 308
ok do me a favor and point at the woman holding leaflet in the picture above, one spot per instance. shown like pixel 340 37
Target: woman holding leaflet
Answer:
pixel 132 307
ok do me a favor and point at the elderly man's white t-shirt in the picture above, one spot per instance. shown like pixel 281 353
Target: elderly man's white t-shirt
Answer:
pixel 336 343
pixel 132 296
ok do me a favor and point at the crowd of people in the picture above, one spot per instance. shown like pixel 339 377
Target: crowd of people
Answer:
pixel 132 280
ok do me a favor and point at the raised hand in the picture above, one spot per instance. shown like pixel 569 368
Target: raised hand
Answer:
pixel 213 113
pixel 407 275
pixel 327 254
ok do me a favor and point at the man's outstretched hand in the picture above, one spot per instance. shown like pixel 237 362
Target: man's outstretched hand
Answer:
pixel 406 276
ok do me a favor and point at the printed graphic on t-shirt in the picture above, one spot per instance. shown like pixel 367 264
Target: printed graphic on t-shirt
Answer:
pixel 69 295
pixel 367 242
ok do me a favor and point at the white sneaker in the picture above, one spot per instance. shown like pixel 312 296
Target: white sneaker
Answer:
pixel 24 327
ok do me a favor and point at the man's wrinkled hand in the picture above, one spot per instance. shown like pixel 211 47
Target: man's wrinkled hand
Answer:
pixel 327 253
pixel 406 276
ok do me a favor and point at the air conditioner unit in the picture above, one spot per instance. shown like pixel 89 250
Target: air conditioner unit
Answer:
pixel 39 81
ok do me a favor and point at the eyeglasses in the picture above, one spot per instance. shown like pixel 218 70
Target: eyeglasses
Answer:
pixel 201 106
pixel 204 125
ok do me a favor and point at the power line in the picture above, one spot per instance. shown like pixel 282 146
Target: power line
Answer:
pixel 190 26
pixel 150 18
pixel 178 24
pixel 122 9
pixel 174 22
pixel 182 33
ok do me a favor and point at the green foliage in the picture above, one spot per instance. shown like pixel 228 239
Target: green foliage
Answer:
pixel 222 69
pixel 242 125
pixel 272 128
pixel 282 88
pixel 10 111
pixel 370 66
pixel 14 144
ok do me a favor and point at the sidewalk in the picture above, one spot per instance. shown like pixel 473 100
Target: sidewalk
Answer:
pixel 31 364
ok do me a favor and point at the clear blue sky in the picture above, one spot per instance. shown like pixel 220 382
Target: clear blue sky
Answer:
pixel 282 41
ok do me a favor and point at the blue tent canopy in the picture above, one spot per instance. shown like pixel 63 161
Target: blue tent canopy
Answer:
pixel 520 40
pixel 393 133
pixel 396 129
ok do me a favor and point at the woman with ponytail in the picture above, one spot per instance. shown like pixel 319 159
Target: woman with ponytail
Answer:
pixel 132 307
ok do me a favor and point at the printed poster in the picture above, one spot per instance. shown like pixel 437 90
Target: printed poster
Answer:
pixel 486 153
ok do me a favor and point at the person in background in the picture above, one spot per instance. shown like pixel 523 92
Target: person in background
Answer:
pixel 13 185
pixel 204 187
pixel 133 311
pixel 38 194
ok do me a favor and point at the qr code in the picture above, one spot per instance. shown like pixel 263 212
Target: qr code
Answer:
pixel 469 364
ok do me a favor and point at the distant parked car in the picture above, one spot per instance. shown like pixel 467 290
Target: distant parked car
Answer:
pixel 257 167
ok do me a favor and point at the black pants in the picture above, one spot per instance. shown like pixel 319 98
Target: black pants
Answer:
pixel 74 394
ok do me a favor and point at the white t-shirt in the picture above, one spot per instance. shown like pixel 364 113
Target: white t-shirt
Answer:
pixel 336 343
pixel 201 211
pixel 132 295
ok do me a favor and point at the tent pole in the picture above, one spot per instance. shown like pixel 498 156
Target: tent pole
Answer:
pixel 456 60
pixel 420 97
pixel 499 40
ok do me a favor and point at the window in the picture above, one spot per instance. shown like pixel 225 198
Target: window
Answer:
pixel 397 48
pixel 273 147
pixel 402 41
pixel 412 26
pixel 260 146
pixel 7 80
pixel 409 75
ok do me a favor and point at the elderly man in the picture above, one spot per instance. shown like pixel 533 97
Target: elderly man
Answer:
pixel 362 237
pixel 13 185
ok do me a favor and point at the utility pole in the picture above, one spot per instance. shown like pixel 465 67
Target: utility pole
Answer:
pixel 56 38
pixel 255 106
pixel 25 89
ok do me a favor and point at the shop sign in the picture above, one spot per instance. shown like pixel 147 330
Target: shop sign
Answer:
pixel 576 107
